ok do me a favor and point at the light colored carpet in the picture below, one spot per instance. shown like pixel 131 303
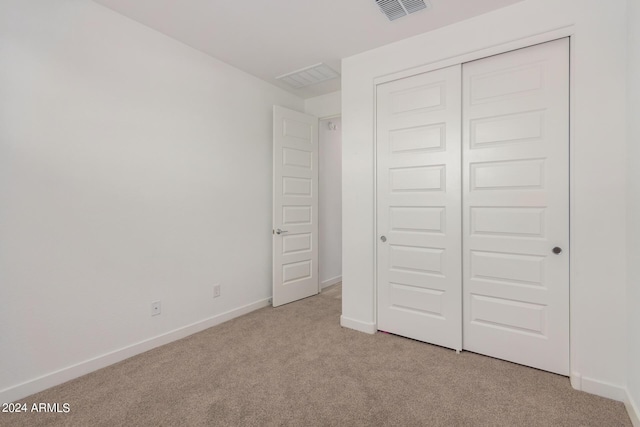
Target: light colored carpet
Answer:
pixel 294 365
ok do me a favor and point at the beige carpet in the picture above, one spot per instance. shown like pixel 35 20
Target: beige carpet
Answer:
pixel 294 365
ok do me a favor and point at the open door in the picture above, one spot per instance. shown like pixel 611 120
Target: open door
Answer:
pixel 295 206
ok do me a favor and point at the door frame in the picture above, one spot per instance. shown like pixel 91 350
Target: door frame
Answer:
pixel 317 267
pixel 566 32
pixel 321 118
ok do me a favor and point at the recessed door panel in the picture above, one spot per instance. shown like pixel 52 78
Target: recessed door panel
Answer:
pixel 297 158
pixel 296 271
pixel 296 243
pixel 422 178
pixel 298 129
pixel 417 98
pixel 418 301
pixel 505 83
pixel 507 267
pixel 417 219
pixel 297 187
pixel 297 215
pixel 421 138
pixel 507 128
pixel 514 317
pixel 507 221
pixel 507 174
pixel 417 259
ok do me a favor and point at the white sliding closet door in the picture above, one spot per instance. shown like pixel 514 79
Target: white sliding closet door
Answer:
pixel 473 206
pixel 516 206
pixel 418 207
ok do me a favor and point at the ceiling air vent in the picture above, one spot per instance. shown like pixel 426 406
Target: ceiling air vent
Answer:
pixel 309 76
pixel 395 9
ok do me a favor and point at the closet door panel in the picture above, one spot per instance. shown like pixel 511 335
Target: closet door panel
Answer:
pixel 418 207
pixel 515 143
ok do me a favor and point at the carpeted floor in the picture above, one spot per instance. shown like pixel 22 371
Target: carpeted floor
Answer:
pixel 294 365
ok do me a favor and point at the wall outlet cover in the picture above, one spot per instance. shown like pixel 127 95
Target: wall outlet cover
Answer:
pixel 156 308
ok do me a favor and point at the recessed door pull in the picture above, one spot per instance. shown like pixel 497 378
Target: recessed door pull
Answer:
pixel 557 250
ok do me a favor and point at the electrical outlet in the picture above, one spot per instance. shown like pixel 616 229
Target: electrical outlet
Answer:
pixel 216 290
pixel 155 308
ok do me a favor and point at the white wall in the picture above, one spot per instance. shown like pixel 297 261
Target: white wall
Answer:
pixel 633 209
pixel 330 203
pixel 132 169
pixel 328 105
pixel 598 265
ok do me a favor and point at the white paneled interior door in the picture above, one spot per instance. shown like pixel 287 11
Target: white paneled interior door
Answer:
pixel 295 206
pixel 516 206
pixel 418 212
pixel 473 226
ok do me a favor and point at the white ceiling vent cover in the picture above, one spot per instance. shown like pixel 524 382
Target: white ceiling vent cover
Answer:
pixel 395 9
pixel 308 76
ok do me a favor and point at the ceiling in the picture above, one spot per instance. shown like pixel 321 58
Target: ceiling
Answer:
pixel 269 38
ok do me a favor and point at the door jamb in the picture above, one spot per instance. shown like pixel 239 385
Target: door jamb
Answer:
pixel 331 116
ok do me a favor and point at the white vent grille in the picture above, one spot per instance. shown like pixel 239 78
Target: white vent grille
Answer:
pixel 309 76
pixel 395 9
pixel 413 5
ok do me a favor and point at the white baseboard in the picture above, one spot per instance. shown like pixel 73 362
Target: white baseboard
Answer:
pixel 358 325
pixel 330 282
pixel 632 409
pixel 597 387
pixel 576 380
pixel 13 393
